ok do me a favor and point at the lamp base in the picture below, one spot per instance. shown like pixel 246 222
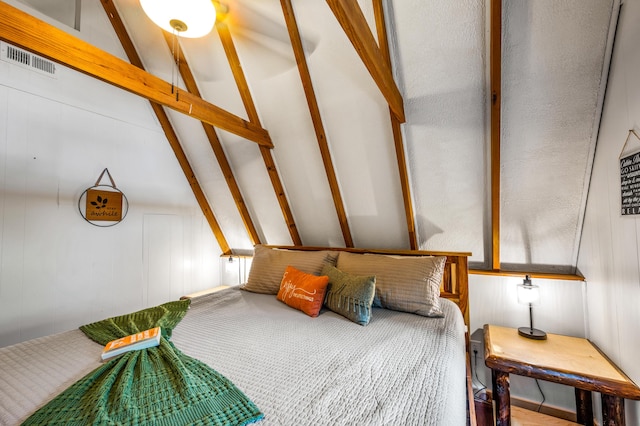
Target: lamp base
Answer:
pixel 532 333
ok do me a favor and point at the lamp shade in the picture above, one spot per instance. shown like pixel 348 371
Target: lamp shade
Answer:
pixel 188 18
pixel 528 293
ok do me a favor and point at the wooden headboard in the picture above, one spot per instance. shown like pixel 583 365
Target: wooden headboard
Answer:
pixel 455 281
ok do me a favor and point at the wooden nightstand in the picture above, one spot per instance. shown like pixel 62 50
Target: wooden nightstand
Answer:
pixel 566 360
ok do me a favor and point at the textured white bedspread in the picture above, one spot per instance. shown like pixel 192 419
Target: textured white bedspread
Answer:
pixel 401 369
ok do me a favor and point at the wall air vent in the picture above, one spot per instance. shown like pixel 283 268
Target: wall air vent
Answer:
pixel 25 59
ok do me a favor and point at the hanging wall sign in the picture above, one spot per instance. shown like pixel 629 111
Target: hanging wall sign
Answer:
pixel 103 205
pixel 630 178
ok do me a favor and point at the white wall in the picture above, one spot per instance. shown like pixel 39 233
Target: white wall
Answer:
pixel 609 256
pixel 56 270
pixel 551 87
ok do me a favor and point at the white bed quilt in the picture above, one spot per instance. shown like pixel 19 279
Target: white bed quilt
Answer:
pixel 401 369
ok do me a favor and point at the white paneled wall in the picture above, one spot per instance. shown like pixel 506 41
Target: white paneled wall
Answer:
pixel 609 255
pixel 176 257
pixel 56 270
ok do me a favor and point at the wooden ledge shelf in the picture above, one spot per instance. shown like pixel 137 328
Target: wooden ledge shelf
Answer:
pixel 539 275
pixel 204 292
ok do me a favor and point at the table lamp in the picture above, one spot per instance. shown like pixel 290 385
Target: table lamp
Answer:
pixel 529 294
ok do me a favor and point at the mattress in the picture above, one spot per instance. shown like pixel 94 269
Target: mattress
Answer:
pixel 399 369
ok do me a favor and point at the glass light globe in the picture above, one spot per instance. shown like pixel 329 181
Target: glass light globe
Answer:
pixel 188 18
pixel 528 294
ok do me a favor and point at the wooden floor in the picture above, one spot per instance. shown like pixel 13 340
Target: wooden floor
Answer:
pixel 522 417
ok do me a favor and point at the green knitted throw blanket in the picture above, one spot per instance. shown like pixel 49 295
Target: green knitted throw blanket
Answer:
pixel 154 386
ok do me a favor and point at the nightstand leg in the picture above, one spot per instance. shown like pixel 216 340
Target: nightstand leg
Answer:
pixel 584 408
pixel 612 410
pixel 500 381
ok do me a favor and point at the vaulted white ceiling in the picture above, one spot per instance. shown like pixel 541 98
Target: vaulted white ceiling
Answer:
pixel 554 57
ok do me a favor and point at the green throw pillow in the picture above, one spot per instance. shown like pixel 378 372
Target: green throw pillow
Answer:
pixel 350 295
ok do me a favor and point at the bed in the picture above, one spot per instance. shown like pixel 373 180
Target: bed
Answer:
pixel 401 368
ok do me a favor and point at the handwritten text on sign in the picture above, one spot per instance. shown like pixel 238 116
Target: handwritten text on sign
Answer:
pixel 104 205
pixel 630 184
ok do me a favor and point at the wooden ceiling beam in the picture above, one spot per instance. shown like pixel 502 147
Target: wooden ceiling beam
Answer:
pixel 312 102
pixel 27 32
pixel 354 24
pixel 381 28
pixel 201 198
pixel 495 72
pixel 238 73
pixel 252 112
pixel 168 129
pixel 210 131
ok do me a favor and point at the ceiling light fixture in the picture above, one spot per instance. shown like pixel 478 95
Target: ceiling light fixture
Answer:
pixel 186 18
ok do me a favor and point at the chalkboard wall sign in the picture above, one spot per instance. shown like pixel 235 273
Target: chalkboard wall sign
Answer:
pixel 630 180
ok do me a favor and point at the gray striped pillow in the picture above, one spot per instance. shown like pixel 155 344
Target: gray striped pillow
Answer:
pixel 268 266
pixel 350 295
pixel 408 284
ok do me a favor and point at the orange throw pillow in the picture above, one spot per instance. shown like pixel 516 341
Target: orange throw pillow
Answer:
pixel 302 291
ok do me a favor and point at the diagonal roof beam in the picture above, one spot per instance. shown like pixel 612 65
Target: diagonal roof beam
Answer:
pixel 214 141
pixel 172 137
pixel 21 29
pixel 397 133
pixel 305 76
pixel 495 72
pixel 247 100
pixel 238 74
pixel 354 24
pixel 170 133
